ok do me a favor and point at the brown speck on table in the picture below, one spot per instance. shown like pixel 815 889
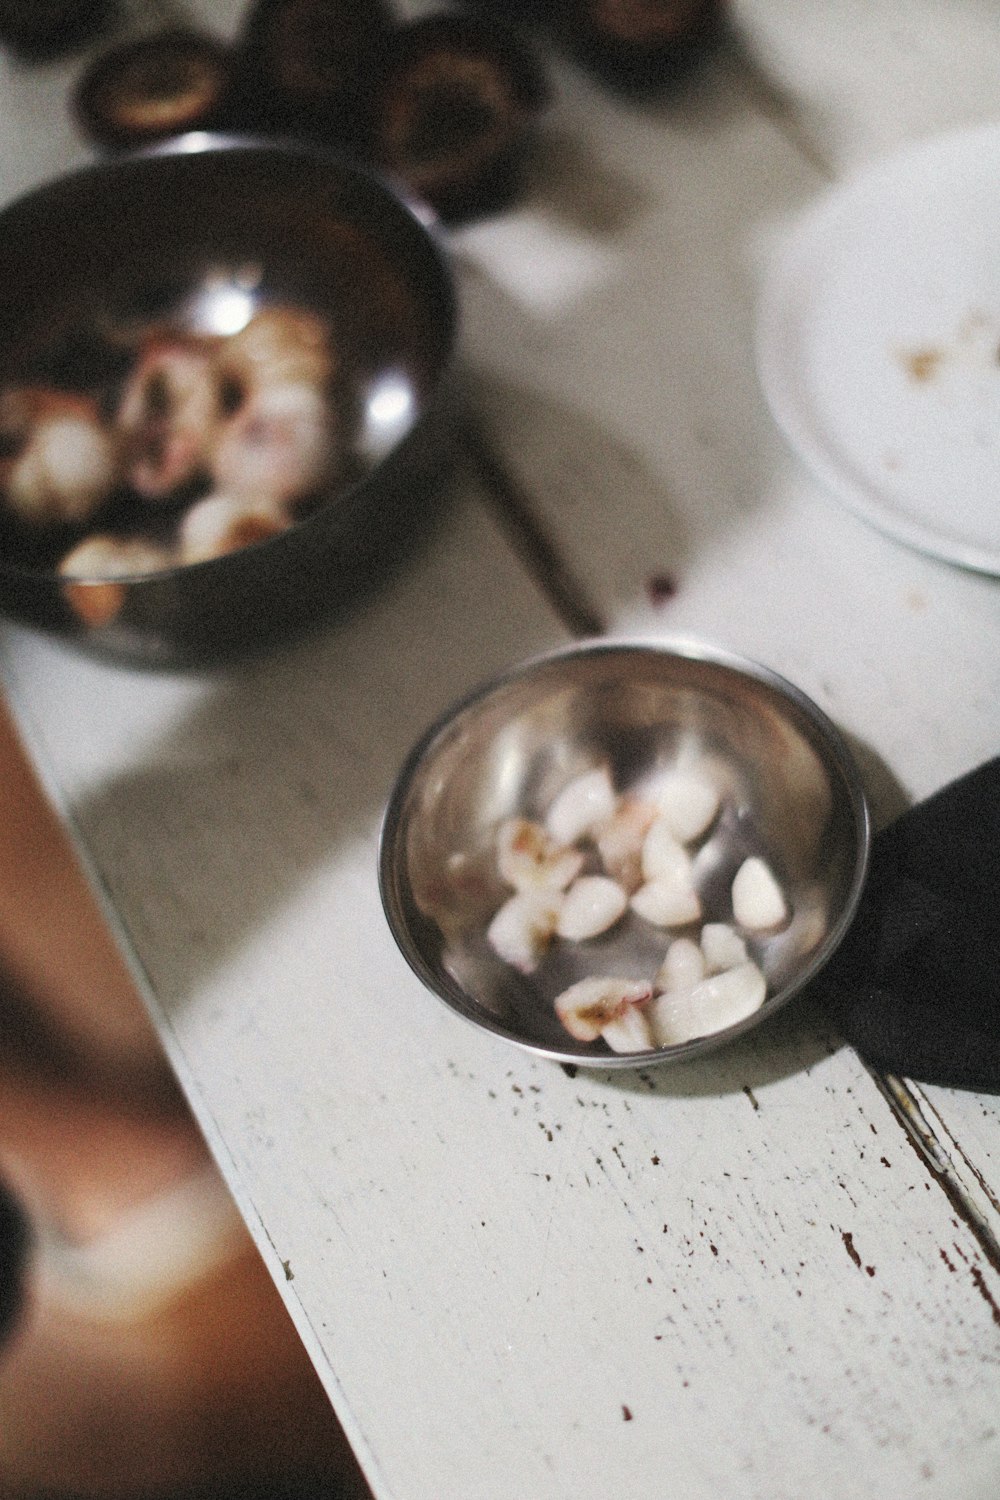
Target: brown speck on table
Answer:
pixel 626 1412
pixel 980 1282
pixel 286 1266
pixel 660 587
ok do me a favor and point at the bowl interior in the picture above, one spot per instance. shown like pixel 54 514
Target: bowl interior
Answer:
pixel 789 791
pixel 197 236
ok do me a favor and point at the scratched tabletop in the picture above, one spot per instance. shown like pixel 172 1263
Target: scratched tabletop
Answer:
pixel 770 1274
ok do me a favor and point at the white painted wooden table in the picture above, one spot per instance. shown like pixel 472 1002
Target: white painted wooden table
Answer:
pixel 768 1275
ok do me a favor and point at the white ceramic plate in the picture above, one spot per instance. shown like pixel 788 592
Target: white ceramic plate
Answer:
pixel 879 345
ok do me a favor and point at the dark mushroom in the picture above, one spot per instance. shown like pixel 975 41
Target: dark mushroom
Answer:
pixel 37 30
pixel 640 44
pixel 305 67
pixel 453 111
pixel 153 87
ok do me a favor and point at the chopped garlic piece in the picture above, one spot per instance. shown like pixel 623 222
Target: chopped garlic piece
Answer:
pixel 591 905
pixel 715 1003
pixel 664 856
pixel 667 903
pixel 683 966
pixel 758 901
pixel 582 804
pixel 629 1031
pixel 590 1005
pixel 528 859
pixel 523 927
pixel 620 838
pixel 722 947
pixel 688 802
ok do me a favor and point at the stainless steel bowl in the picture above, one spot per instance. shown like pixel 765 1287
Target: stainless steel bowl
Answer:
pixel 789 791
pixel 179 234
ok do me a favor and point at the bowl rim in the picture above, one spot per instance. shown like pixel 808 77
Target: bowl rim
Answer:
pixel 220 143
pixel 394 887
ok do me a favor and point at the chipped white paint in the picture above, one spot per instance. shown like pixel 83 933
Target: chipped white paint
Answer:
pixel 736 1280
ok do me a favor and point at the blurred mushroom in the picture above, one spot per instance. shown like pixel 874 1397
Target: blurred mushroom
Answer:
pixel 306 66
pixel 37 30
pixel 144 90
pixel 58 462
pixel 278 437
pixel 453 110
pixel 167 415
pixel 96 570
pixel 220 524
pixel 640 43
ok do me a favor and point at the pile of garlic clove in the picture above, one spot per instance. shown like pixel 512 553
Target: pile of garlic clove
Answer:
pixel 643 848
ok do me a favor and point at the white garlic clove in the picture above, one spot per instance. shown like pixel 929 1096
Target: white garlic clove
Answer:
pixel 673 1017
pixel 629 1031
pixel 620 838
pixel 688 803
pixel 528 859
pixel 758 901
pixel 591 905
pixel 524 926
pixel 667 903
pixel 664 856
pixel 590 1005
pixel 712 1005
pixel 722 946
pixel 582 804
pixel 683 966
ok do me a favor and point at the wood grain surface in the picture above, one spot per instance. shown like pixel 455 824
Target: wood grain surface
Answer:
pixel 765 1275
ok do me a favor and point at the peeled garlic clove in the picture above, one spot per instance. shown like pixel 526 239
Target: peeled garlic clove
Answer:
pixel 758 901
pixel 620 838
pixel 521 930
pixel 583 803
pixel 688 803
pixel 590 1005
pixel 591 905
pixel 674 1017
pixel 710 1006
pixel 667 903
pixel 722 946
pixel 629 1031
pixel 664 856
pixel 683 966
pixel 727 998
pixel 528 859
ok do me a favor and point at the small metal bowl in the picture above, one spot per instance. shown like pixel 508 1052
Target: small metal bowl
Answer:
pixel 186 234
pixel 789 792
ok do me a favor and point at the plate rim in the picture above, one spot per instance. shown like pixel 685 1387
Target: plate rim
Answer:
pixel 776 356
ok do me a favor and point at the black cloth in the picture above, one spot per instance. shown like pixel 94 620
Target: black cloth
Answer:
pixel 13 1254
pixel 915 986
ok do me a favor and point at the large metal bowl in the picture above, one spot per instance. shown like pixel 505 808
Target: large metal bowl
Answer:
pixel 172 234
pixel 789 792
